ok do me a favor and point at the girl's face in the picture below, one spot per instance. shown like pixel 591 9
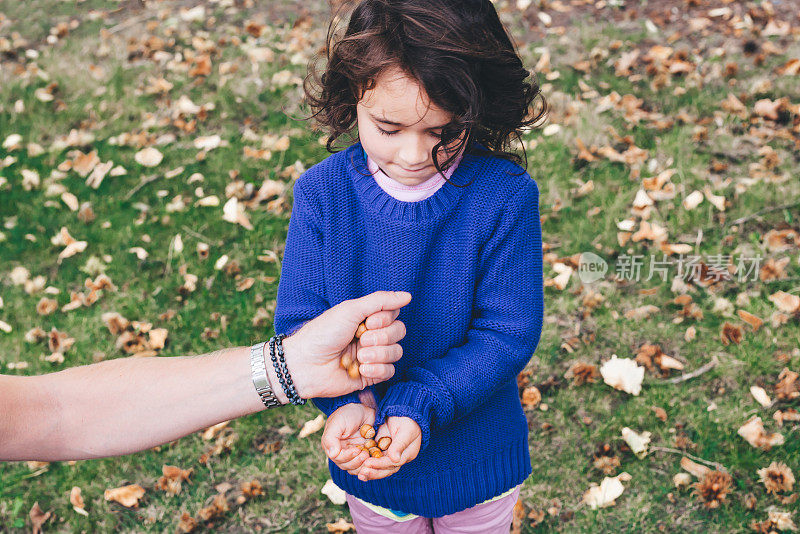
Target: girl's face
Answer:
pixel 398 127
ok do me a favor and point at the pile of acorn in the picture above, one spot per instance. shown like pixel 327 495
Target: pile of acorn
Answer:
pixel 351 363
pixel 374 448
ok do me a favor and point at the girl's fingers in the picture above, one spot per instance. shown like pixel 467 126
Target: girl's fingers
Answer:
pixel 387 335
pixel 353 463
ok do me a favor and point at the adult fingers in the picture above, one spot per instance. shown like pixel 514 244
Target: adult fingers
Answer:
pixel 376 372
pixel 359 309
pixel 384 354
pixel 381 319
pixel 387 335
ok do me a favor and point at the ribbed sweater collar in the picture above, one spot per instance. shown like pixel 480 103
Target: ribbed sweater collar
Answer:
pixel 376 199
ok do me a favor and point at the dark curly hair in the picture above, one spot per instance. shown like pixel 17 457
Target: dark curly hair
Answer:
pixel 457 50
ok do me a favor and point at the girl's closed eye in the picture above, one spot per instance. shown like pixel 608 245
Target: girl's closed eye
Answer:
pixel 384 132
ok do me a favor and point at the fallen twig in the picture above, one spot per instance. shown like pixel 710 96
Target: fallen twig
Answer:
pixel 715 465
pixel 143 182
pixel 697 372
pixel 741 220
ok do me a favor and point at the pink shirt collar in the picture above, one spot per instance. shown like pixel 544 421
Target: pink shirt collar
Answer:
pixel 410 193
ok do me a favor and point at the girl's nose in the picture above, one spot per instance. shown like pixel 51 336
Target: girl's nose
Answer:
pixel 414 153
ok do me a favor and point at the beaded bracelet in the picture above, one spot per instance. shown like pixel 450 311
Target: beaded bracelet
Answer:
pixel 282 371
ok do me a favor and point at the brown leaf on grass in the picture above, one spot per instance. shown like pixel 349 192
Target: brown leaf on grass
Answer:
pixel 186 523
pixel 115 322
pixel 777 477
pixel 789 414
pixel 127 496
pixel 786 302
pixel 642 312
pixel 782 240
pixel 212 431
pixel 750 319
pixel 148 157
pixel 731 333
pixel 605 459
pixel 83 164
pixel 157 338
pixel 693 468
pixel 38 518
pixel 340 527
pixel 769 108
pixel 583 153
pixel 713 488
pixel 788 387
pixel 218 506
pixel 581 373
pixel 790 68
pixel 518 516
pixel 76 500
pixel 773 269
pixel 59 341
pixel 172 480
pixel 531 397
pixel 753 432
pixel 252 488
pixel 46 306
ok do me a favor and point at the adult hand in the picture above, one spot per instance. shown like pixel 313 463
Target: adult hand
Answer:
pixel 342 439
pixel 314 351
pixel 406 441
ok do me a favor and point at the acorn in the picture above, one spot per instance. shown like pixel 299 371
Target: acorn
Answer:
pixel 375 452
pixel 352 370
pixel 384 443
pixel 370 443
pixel 345 360
pixel 361 329
pixel 367 432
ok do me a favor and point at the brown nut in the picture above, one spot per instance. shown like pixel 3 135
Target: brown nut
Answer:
pixel 352 370
pixel 361 329
pixel 346 360
pixel 367 432
pixel 384 443
pixel 375 452
pixel 370 443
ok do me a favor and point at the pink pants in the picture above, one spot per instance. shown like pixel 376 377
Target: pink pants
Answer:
pixel 487 518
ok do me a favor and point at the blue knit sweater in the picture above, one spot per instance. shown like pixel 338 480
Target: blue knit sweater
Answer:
pixel 471 257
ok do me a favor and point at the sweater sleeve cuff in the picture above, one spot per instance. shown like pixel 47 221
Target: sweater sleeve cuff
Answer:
pixel 330 405
pixel 407 399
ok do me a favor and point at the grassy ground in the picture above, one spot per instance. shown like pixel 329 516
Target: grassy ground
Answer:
pixel 104 66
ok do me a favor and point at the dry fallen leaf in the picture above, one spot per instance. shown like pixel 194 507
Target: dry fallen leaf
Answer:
pixel 761 396
pixel 334 492
pixel 340 526
pixel 38 518
pixel 127 496
pixel 310 427
pixel 623 374
pixel 76 500
pixel 753 431
pixel 694 468
pixel 637 442
pixel 713 488
pixel 607 492
pixel 777 477
pixel 148 157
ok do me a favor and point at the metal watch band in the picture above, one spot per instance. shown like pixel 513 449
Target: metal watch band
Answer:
pixel 260 381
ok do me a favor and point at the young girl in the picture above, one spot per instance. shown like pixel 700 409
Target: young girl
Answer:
pixel 429 201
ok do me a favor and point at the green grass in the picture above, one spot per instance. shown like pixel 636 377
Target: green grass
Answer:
pixel 561 455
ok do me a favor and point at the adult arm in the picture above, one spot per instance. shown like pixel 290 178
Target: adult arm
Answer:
pixel 503 334
pixel 129 404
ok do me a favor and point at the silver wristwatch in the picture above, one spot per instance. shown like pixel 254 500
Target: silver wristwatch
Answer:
pixel 260 381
